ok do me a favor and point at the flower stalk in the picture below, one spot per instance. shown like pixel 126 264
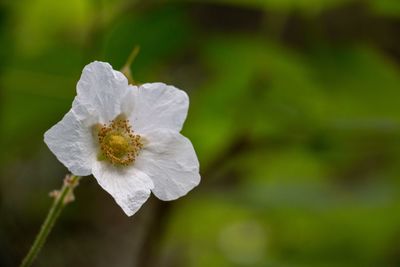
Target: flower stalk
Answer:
pixel 61 199
pixel 126 69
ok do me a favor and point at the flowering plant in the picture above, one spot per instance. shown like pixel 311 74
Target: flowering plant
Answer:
pixel 128 137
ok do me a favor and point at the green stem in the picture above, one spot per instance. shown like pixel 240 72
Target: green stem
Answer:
pixel 61 198
pixel 126 69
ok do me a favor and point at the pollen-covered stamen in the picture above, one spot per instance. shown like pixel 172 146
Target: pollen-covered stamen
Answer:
pixel 118 143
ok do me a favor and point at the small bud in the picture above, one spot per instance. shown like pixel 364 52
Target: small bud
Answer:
pixel 69 181
pixel 69 198
pixel 54 193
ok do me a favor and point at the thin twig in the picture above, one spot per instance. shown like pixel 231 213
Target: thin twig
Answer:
pixel 61 198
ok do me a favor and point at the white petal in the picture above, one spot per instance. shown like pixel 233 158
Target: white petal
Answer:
pixel 72 142
pixel 171 162
pixel 127 185
pixel 159 106
pixel 102 90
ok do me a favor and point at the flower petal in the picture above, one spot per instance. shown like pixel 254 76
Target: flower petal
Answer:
pixel 171 162
pixel 102 90
pixel 72 142
pixel 127 185
pixel 159 106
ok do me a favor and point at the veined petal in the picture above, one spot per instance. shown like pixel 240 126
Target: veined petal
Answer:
pixel 159 106
pixel 102 90
pixel 128 186
pixel 171 162
pixel 72 142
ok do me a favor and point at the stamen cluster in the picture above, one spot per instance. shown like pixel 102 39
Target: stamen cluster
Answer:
pixel 118 143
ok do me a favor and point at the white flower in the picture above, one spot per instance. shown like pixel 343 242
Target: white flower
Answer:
pixel 127 137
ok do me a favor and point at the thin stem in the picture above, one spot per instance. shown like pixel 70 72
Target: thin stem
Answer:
pixel 126 69
pixel 61 198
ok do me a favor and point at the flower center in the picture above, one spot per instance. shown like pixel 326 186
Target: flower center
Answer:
pixel 118 144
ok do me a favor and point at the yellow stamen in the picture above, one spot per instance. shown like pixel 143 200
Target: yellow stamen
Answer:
pixel 118 144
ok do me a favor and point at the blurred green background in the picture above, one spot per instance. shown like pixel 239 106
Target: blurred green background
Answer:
pixel 295 116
